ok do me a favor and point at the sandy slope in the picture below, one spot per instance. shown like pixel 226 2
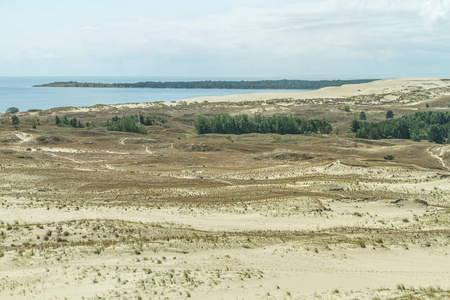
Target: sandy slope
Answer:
pixel 104 215
pixel 389 86
pixel 348 261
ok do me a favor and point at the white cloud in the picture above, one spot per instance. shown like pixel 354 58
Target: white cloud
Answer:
pixel 327 29
pixel 302 34
pixel 50 55
pixel 434 12
pixel 331 27
pixel 90 28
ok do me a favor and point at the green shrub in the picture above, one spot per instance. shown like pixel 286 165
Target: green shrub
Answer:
pixel 361 243
pixel 64 121
pixel 12 110
pixel 127 124
pixel 151 119
pixel 389 114
pixel 15 120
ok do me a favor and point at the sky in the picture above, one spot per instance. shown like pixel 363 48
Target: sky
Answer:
pixel 273 39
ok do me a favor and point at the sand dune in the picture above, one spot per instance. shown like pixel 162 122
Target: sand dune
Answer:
pixel 97 214
pixel 390 88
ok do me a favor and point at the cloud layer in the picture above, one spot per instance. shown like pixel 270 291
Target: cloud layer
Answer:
pixel 324 38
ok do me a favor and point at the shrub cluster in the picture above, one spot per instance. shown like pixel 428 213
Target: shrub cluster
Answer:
pixel 64 121
pixel 126 123
pixel 134 123
pixel 12 110
pixel 150 119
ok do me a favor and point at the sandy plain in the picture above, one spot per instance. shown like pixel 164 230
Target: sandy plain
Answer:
pixel 94 214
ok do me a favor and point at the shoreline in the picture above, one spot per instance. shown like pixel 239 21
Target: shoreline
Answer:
pixel 407 91
pixel 283 84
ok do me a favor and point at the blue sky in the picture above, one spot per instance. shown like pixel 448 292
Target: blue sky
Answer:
pixel 267 38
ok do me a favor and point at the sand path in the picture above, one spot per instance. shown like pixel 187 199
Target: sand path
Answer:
pixel 438 156
pixel 24 137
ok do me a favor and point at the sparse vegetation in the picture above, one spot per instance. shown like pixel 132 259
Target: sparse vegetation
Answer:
pixel 115 215
pixel 134 123
pixel 64 121
pixel 361 243
pixel 151 119
pixel 345 108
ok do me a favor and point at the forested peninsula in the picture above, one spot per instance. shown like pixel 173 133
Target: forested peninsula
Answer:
pixel 209 84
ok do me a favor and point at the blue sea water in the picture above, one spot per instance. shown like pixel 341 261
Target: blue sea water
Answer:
pixel 19 92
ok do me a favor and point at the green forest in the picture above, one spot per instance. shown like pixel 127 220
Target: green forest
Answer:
pixel 218 84
pixel 433 126
pixel 240 124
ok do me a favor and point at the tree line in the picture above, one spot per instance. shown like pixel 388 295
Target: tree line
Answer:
pixel 240 124
pixel 433 126
pixel 216 84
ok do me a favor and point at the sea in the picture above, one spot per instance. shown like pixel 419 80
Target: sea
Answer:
pixel 19 92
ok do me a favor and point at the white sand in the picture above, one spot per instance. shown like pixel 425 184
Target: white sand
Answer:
pixel 387 86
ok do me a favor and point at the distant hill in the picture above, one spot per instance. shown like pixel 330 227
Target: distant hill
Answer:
pixel 209 84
